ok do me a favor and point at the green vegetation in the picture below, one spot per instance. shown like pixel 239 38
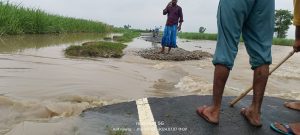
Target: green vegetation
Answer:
pixel 205 36
pixel 283 19
pixel 283 42
pixel 123 30
pixel 105 49
pixel 97 49
pixel 127 36
pixel 19 20
pixel 198 36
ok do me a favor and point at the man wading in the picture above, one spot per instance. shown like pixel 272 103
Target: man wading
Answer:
pixel 175 15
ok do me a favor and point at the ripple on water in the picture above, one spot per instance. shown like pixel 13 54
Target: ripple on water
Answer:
pixel 14 111
pixel 199 85
pixel 288 72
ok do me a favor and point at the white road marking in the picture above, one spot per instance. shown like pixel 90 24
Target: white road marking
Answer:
pixel 147 122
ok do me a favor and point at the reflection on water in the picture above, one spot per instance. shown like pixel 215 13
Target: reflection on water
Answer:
pixel 42 89
pixel 10 44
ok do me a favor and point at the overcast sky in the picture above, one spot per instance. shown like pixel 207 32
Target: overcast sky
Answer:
pixel 139 13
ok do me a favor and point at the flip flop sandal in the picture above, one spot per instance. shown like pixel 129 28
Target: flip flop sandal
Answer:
pixel 286 126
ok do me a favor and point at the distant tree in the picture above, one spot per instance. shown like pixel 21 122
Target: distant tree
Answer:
pixel 202 29
pixel 283 19
pixel 127 26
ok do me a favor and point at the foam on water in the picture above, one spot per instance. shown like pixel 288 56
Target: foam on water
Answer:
pixel 200 86
pixel 14 111
pixel 163 65
pixel 288 71
pixel 33 74
pixel 193 84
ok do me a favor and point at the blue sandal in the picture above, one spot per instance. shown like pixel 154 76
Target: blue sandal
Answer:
pixel 286 126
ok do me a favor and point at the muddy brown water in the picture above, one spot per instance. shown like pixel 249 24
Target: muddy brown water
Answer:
pixel 42 88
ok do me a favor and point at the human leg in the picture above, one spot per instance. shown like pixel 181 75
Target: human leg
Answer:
pixel 169 49
pixel 212 113
pixel 162 50
pixel 252 113
pixel 227 47
pixel 173 33
pixel 166 39
pixel 258 34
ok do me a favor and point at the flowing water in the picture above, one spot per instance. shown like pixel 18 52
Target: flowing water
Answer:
pixel 41 88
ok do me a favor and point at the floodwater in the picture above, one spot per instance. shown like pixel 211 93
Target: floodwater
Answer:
pixel 41 88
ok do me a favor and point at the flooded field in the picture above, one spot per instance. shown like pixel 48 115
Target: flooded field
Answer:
pixel 43 89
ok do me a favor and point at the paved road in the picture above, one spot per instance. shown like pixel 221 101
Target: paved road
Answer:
pixel 177 116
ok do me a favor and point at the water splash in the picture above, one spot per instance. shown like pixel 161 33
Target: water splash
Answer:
pixel 163 65
pixel 200 86
pixel 288 72
pixel 194 84
pixel 14 111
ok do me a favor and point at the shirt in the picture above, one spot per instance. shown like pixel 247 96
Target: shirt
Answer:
pixel 174 15
pixel 297 12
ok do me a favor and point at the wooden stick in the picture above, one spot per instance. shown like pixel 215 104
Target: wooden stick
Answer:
pixel 233 102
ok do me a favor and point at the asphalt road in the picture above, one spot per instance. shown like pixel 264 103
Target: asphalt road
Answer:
pixel 177 116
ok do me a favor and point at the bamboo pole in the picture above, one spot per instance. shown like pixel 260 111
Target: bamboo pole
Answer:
pixel 233 102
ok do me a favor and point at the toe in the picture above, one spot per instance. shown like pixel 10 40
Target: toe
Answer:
pixel 201 109
pixel 243 111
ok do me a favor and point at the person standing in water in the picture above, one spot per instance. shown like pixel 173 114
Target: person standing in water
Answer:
pixel 175 16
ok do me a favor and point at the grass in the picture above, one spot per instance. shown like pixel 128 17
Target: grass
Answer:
pixel 104 49
pixel 283 42
pixel 197 36
pixel 127 36
pixel 206 36
pixel 15 19
pixel 97 49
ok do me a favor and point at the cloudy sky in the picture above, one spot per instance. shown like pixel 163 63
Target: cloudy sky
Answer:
pixel 139 13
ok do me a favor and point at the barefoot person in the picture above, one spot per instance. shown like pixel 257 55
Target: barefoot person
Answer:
pixel 175 15
pixel 292 128
pixel 254 19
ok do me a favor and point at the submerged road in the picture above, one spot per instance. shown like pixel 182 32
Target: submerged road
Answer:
pixel 177 116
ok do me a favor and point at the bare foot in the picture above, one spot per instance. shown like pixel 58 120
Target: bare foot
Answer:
pixel 292 105
pixel 294 127
pixel 210 114
pixel 253 118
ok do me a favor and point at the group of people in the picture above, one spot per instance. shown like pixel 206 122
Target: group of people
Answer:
pixel 254 20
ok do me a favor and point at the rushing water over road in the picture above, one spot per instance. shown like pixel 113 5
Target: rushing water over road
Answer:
pixel 38 83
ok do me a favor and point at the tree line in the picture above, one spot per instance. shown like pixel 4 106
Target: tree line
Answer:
pixel 283 20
